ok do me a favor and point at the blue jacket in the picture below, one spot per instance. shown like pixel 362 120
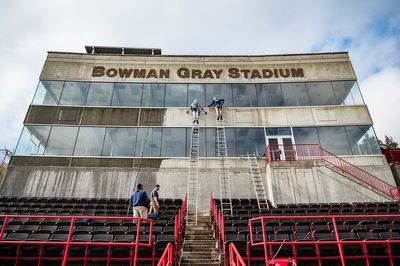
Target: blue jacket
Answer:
pixel 217 103
pixel 139 198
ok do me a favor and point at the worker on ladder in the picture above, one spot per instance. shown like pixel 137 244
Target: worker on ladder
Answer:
pixel 196 108
pixel 217 104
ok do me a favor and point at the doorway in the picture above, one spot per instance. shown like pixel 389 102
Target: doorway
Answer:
pixel 281 146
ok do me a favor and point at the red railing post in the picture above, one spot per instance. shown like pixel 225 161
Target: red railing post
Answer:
pixel 167 256
pixel 235 259
pixel 71 229
pixel 341 252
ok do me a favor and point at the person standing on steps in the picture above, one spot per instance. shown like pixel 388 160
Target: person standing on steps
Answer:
pixel 196 108
pixel 217 104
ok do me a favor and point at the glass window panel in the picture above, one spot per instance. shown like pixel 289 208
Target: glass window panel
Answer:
pixel 100 94
pixel 250 140
pixel 342 91
pixel 321 93
pixel 223 91
pixel 355 92
pixel 284 131
pixel 196 91
pixel 173 142
pixel 269 95
pixel 48 92
pixel 32 140
pixel 148 142
pixel 176 95
pixel 127 94
pixel 244 95
pixel 153 95
pixel 305 135
pixel 362 140
pixel 61 141
pixel 74 93
pixel 120 142
pixel 276 131
pixel 90 141
pixel 210 142
pixel 295 94
pixel 230 142
pixel 334 140
pixel 271 131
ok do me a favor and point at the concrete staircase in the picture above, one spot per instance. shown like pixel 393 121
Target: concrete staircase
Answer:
pixel 199 245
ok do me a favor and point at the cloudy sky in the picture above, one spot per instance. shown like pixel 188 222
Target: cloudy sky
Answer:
pixel 368 29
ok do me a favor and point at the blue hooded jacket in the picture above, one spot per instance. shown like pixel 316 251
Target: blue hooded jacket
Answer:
pixel 139 198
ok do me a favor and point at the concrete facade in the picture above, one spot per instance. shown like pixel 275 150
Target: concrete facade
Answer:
pixel 286 182
pixel 79 67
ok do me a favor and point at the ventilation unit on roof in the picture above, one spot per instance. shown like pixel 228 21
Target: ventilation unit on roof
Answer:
pixel 122 50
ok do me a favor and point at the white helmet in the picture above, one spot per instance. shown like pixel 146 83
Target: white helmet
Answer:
pixel 214 98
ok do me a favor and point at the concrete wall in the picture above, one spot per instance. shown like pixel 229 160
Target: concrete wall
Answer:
pixel 3 171
pixel 177 117
pixel 286 182
pixel 396 173
pixel 74 66
pixel 116 182
pixel 313 182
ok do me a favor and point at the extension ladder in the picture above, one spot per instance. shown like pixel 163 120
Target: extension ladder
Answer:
pixel 224 181
pixel 193 178
pixel 257 181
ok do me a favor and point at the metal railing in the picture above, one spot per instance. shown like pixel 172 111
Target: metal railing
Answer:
pixel 335 240
pixel 218 221
pixel 69 242
pixel 307 152
pixel 167 258
pixel 235 259
pixel 141 239
pixel 5 156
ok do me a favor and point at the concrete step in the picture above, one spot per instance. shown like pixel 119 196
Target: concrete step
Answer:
pixel 198 232
pixel 199 247
pixel 200 255
pixel 198 237
pixel 201 242
pixel 199 261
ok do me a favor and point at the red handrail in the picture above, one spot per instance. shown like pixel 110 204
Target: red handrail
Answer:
pixel 234 256
pixel 267 245
pixel 167 256
pixel 134 245
pixel 301 152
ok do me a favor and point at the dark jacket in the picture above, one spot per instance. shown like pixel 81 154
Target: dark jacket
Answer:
pixel 139 198
pixel 217 103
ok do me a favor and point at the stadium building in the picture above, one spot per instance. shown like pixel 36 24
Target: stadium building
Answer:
pixel 292 174
pixel 101 119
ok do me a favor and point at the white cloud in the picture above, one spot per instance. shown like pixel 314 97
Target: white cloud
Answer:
pixel 381 93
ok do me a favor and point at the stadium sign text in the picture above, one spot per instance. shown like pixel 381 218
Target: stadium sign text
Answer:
pixel 186 73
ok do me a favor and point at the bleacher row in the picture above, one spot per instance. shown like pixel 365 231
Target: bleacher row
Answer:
pixel 77 206
pixel 246 208
pixel 299 224
pixel 47 222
